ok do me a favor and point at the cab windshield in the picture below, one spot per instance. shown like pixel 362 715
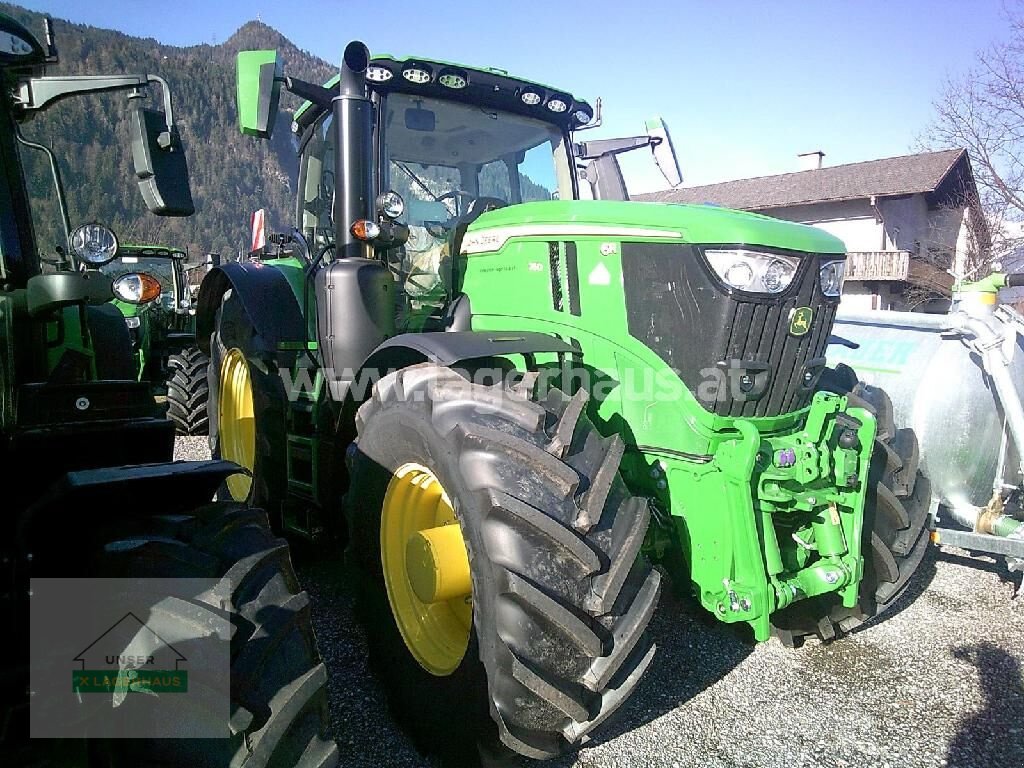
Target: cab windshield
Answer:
pixel 445 159
pixel 441 156
pixel 439 148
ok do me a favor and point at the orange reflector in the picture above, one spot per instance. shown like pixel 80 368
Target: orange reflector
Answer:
pixel 150 288
pixel 935 537
pixel 364 229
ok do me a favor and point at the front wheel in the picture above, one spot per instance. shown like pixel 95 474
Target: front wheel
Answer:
pixel 503 593
pixel 279 715
pixel 896 514
pixel 188 391
pixel 247 410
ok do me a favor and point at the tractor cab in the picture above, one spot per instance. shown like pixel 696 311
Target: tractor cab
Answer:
pixel 448 144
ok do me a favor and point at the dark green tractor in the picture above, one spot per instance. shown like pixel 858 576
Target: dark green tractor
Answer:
pixel 153 290
pixel 89 487
pixel 509 401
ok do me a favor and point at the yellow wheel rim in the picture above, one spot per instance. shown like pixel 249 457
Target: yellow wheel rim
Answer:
pixel 426 569
pixel 235 421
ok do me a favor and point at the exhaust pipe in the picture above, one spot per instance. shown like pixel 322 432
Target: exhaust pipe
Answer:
pixel 353 163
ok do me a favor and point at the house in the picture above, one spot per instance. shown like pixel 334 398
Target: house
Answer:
pixel 910 223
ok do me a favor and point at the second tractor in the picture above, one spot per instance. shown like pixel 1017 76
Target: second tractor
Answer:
pixel 153 290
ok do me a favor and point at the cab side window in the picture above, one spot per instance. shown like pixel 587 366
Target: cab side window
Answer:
pixel 317 184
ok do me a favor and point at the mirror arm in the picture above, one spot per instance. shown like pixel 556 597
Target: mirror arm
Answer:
pixel 593 150
pixel 67 261
pixel 320 96
pixel 165 89
pixel 36 93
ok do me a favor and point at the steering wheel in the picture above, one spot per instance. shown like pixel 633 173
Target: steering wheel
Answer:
pixel 451 194
pixel 480 205
pixel 456 195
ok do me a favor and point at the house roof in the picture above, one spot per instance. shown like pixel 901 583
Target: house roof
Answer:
pixel 908 174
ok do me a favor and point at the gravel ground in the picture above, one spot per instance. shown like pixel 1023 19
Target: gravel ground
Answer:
pixel 939 683
pixel 191 449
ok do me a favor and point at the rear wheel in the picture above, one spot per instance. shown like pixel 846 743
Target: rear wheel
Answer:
pixel 895 523
pixel 188 391
pixel 503 594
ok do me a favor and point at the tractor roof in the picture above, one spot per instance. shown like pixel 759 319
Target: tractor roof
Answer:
pixel 484 86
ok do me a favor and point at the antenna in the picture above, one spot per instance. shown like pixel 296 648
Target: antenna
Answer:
pixel 51 45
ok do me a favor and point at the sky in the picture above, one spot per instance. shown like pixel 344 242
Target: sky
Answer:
pixel 743 86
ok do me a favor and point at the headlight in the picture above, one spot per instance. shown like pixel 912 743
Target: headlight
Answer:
pixel 136 288
pixel 753 271
pixel 416 73
pixel 832 274
pixel 378 74
pixel 94 244
pixel 453 78
pixel 391 204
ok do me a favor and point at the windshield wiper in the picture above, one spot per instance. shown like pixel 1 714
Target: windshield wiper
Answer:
pixel 416 179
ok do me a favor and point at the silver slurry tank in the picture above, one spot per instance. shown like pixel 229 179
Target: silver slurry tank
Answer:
pixel 948 377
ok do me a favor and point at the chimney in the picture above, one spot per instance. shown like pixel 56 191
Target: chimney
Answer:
pixel 810 161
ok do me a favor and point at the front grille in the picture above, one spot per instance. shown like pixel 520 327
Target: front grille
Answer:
pixel 760 334
pixel 733 351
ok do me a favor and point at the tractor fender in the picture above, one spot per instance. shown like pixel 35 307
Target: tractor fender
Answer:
pixel 169 487
pixel 266 297
pixel 448 348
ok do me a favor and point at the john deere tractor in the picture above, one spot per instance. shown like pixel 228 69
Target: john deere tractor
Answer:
pixel 90 490
pixel 152 289
pixel 510 401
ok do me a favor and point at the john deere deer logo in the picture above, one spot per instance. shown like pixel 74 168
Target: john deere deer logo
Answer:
pixel 800 321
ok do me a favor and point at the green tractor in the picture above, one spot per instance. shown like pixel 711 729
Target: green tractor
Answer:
pixel 510 402
pixel 153 291
pixel 90 490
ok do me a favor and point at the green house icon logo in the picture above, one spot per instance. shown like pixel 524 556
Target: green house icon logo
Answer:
pixel 107 667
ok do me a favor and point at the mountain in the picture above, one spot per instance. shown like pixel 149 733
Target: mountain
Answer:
pixel 232 175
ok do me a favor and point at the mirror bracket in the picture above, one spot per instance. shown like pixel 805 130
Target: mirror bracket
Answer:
pixel 36 93
pixel 593 150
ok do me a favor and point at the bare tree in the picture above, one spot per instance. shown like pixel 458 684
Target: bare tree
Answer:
pixel 983 111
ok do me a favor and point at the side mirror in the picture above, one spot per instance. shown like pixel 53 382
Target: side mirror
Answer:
pixel 258 91
pixel 664 153
pixel 160 164
pixel 212 260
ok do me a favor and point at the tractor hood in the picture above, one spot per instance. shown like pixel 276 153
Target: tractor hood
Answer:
pixel 704 224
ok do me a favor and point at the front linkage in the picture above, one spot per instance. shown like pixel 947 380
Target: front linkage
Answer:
pixel 788 513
